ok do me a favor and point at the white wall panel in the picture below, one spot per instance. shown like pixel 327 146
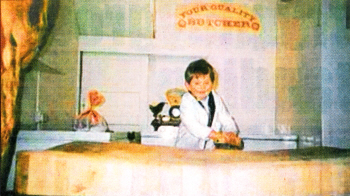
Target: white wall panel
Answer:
pixel 122 79
pixel 245 62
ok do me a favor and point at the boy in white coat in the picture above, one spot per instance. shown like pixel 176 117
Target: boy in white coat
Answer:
pixel 204 117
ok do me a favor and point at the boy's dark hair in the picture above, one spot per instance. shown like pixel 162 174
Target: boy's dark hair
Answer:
pixel 200 66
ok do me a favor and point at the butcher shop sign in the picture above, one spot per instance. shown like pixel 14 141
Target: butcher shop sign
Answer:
pixel 216 17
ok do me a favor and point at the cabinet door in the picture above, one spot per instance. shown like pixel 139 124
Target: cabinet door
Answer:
pixel 122 79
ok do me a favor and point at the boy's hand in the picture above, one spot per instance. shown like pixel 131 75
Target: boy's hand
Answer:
pixel 232 138
pixel 225 137
pixel 215 135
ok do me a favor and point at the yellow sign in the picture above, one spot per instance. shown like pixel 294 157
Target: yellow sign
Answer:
pixel 216 17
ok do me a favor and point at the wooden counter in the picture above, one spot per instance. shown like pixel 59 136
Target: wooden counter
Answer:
pixel 85 168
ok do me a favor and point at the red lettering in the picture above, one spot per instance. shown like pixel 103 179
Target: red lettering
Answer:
pixel 221 6
pixel 191 21
pixel 231 23
pixel 209 22
pixel 235 11
pixel 195 9
pixel 245 23
pixel 204 8
pixel 189 12
pixel 217 23
pixel 182 14
pixel 255 26
pixel 220 21
pixel 252 18
pixel 200 21
pixel 181 23
pixel 245 14
pixel 236 23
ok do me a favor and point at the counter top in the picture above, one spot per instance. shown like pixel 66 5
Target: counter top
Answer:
pixel 119 168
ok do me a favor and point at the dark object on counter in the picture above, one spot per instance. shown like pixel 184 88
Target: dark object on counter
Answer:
pixel 129 137
pixel 156 109
pixel 229 146
pixel 162 120
pixel 165 121
pixel 220 145
pixel 174 111
pixel 156 124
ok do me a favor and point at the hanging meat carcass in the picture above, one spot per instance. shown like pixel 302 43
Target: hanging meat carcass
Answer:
pixel 25 25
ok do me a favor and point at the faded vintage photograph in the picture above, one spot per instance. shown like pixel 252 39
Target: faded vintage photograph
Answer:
pixel 175 97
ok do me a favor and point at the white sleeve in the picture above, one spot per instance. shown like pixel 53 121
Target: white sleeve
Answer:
pixel 225 117
pixel 190 118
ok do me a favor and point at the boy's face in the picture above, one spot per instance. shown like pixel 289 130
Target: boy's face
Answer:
pixel 200 86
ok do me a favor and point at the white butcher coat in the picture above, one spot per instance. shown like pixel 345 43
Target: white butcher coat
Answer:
pixel 193 131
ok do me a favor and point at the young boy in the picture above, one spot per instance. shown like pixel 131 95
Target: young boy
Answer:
pixel 203 113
